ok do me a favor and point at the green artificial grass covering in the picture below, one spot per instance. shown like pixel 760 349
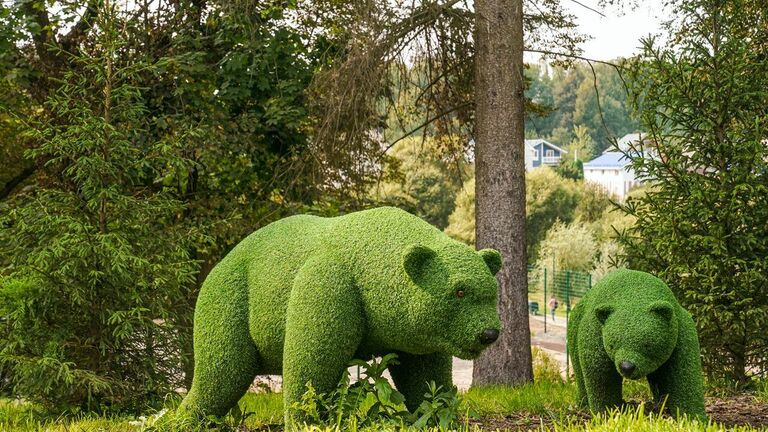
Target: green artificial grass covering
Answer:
pixel 629 325
pixel 305 295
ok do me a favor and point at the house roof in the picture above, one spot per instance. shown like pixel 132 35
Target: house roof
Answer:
pixel 626 140
pixel 608 160
pixel 534 142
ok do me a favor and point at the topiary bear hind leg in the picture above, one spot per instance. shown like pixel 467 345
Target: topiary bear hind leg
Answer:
pixel 415 371
pixel 226 359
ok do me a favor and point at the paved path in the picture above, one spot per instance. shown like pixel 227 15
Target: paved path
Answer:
pixel 552 342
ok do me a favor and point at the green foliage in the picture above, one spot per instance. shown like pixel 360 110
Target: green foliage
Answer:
pixel 609 257
pixel 541 397
pixel 305 295
pixel 461 223
pixel 703 98
pixel 568 247
pixel 629 325
pixel 369 400
pixel 570 169
pixel 440 408
pixel 549 400
pixel 631 419
pixel 420 177
pixel 545 367
pixel 594 201
pixel 574 113
pixel 549 198
pixel 97 268
pixel 372 401
pixel 211 141
pixel 582 147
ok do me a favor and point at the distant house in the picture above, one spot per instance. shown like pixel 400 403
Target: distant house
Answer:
pixel 611 169
pixel 540 152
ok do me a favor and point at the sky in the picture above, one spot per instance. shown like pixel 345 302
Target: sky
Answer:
pixel 616 34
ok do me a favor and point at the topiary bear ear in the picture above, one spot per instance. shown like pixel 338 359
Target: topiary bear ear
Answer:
pixel 662 309
pixel 416 260
pixel 602 312
pixel 492 259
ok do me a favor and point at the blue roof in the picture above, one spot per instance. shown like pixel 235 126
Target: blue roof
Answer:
pixel 608 160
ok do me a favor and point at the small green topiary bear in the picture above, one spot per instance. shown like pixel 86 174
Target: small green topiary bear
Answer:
pixel 303 296
pixel 629 325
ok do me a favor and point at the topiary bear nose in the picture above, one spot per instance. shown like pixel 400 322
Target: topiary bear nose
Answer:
pixel 489 336
pixel 627 367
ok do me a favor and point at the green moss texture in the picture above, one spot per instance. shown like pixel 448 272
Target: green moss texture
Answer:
pixel 305 295
pixel 629 325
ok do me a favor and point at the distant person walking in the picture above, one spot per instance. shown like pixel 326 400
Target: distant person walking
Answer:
pixel 553 304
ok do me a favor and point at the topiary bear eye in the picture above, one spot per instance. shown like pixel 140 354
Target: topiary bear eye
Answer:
pixel 460 293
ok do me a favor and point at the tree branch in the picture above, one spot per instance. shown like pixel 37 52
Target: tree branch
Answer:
pixel 423 125
pixel 574 56
pixel 82 27
pixel 44 35
pixel 16 180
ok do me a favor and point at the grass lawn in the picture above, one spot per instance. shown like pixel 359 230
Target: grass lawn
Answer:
pixel 544 406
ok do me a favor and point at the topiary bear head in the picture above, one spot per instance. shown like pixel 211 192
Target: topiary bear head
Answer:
pixel 455 306
pixel 639 331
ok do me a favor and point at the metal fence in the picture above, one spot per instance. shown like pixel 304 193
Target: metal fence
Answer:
pixel 567 286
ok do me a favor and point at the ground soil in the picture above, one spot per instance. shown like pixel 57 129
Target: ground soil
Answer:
pixel 743 409
pixel 738 410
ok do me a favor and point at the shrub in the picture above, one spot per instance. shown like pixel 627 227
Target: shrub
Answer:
pixel 372 400
pixel 98 268
pixel 570 247
pixel 545 367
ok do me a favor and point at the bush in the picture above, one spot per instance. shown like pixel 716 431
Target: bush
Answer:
pixel 373 401
pixel 570 247
pixel 420 178
pixel 545 367
pixel 98 268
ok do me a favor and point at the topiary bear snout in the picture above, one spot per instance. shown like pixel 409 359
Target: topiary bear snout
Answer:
pixel 489 336
pixel 627 368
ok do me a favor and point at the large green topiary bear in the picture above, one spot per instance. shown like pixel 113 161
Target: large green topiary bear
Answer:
pixel 629 325
pixel 303 296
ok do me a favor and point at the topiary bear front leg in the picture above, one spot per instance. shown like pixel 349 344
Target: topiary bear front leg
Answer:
pixel 324 326
pixel 415 371
pixel 679 379
pixel 601 381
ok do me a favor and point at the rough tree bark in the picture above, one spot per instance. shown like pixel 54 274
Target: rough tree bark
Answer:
pixel 500 183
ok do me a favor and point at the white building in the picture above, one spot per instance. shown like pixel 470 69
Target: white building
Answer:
pixel 611 170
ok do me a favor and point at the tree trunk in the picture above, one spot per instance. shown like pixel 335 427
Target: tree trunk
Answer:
pixel 500 183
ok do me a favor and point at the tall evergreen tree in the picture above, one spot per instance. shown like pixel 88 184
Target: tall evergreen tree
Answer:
pixel 703 99
pixel 98 270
